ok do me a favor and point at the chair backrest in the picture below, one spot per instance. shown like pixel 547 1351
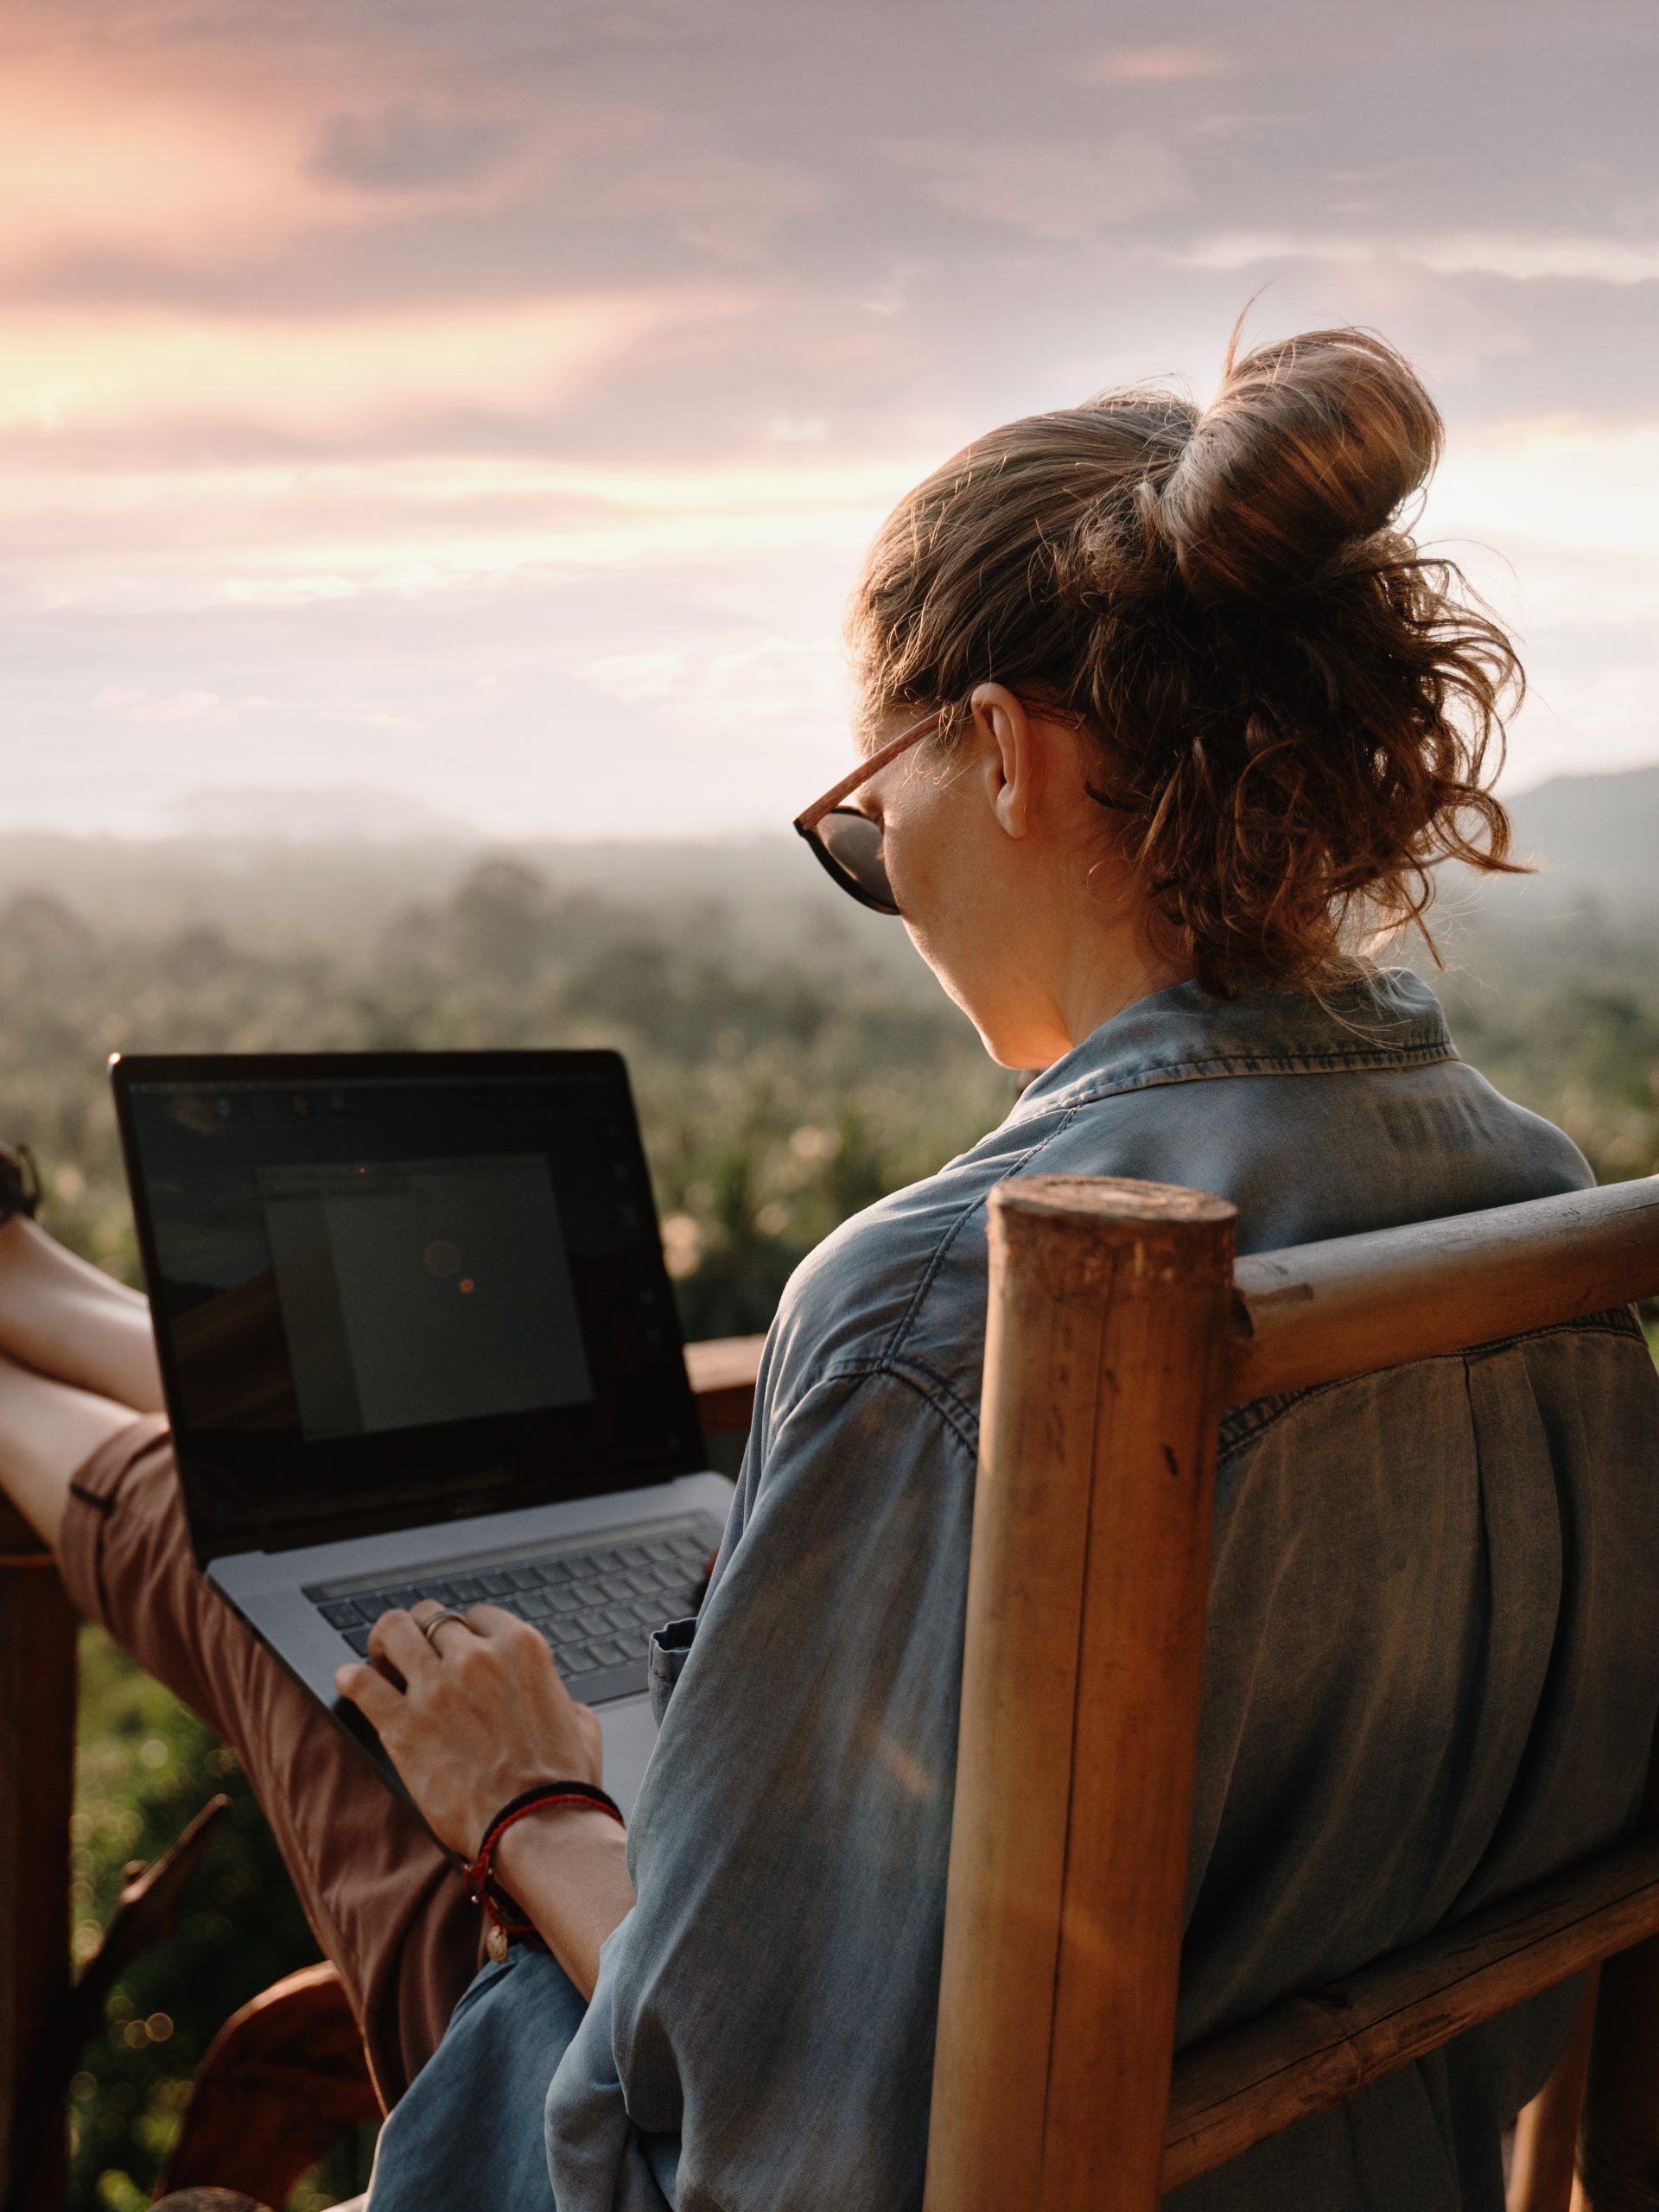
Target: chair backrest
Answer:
pixel 1119 1328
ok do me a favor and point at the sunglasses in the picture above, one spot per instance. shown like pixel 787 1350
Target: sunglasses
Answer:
pixel 847 844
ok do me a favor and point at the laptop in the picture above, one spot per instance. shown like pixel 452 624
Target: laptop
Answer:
pixel 418 1340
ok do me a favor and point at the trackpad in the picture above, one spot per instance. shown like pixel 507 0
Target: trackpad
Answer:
pixel 630 1737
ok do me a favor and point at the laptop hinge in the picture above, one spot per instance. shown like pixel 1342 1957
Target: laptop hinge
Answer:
pixel 294 1528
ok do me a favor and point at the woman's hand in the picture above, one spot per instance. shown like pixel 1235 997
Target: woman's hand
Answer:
pixel 470 1716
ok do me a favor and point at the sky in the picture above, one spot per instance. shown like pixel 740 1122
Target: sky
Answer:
pixel 488 404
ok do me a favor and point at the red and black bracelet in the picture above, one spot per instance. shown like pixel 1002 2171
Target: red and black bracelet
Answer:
pixel 501 1910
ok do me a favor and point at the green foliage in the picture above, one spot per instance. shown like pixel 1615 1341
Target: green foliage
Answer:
pixel 1564 1018
pixel 146 1766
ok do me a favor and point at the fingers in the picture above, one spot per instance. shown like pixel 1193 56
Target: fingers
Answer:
pixel 493 1622
pixel 478 1624
pixel 396 1639
pixel 515 1643
pixel 371 1693
pixel 443 1642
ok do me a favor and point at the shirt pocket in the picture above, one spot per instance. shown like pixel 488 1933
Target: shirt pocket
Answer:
pixel 670 1648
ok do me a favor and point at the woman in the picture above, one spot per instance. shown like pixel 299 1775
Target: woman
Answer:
pixel 1163 716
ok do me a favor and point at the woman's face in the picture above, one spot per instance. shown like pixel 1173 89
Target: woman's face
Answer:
pixel 1003 871
pixel 944 859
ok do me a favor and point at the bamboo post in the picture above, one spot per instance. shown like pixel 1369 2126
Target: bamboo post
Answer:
pixel 1618 2149
pixel 1104 1358
pixel 37 1750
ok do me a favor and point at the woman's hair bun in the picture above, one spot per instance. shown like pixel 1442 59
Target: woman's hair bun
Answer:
pixel 1293 711
pixel 1309 449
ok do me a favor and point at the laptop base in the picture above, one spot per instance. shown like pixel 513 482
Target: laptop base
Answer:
pixel 270 1591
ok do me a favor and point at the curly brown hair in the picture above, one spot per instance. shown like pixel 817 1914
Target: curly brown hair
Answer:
pixel 1298 713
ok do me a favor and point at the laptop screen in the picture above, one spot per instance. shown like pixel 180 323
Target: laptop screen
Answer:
pixel 382 1282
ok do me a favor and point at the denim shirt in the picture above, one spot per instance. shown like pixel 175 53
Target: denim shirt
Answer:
pixel 1431 1670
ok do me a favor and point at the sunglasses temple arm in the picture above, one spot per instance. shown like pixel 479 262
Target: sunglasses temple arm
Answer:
pixel 865 770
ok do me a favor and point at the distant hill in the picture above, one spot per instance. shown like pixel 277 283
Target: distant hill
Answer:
pixel 1596 841
pixel 348 814
pixel 324 865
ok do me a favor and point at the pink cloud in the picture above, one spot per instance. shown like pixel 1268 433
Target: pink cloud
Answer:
pixel 1050 187
pixel 1155 65
pixel 116 372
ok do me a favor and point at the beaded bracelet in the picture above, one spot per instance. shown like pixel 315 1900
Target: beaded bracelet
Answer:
pixel 481 1884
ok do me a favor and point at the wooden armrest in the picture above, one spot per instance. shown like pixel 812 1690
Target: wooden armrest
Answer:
pixel 283 2078
pixel 722 1371
pixel 214 2200
pixel 19 1545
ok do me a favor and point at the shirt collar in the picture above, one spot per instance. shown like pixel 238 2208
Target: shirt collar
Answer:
pixel 1380 1018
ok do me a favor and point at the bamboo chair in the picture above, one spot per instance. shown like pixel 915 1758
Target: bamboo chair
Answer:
pixel 1119 1328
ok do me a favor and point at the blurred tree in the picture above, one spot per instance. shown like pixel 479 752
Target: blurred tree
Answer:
pixel 499 922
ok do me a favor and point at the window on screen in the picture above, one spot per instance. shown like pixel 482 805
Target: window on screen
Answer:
pixel 423 1291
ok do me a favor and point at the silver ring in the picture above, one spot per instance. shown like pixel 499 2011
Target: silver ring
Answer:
pixel 430 1626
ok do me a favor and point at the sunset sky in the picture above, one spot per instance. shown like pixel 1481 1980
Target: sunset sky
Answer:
pixel 489 402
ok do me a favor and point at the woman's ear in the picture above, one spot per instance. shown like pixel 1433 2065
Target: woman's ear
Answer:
pixel 1010 763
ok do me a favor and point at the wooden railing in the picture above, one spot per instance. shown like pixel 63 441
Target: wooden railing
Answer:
pixel 37 1743
pixel 37 1733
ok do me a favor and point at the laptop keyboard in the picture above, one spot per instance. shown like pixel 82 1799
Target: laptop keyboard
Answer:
pixel 596 1607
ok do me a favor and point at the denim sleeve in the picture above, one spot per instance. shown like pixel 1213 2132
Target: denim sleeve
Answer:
pixel 761 2037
